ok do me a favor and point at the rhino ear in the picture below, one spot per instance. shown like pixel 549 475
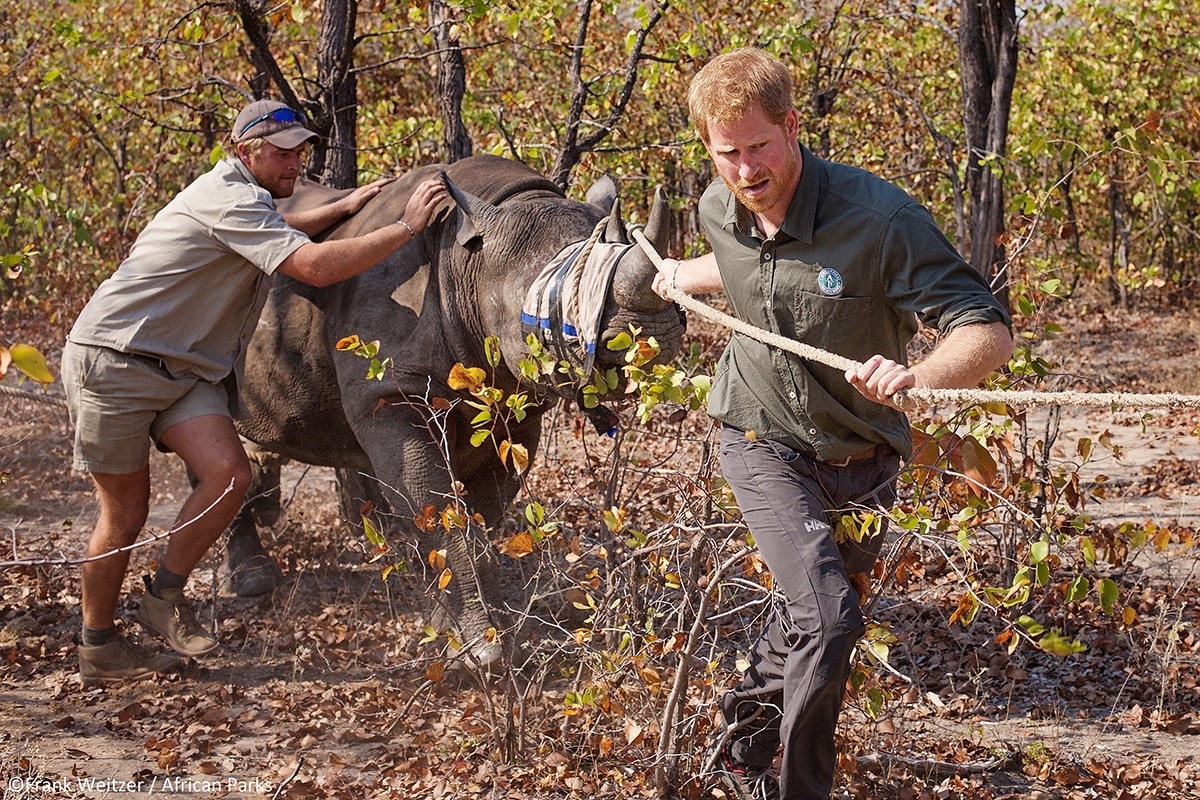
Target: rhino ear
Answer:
pixel 475 216
pixel 603 193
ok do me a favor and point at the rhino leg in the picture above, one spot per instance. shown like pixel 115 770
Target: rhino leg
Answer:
pixel 465 606
pixel 413 474
pixel 249 570
pixel 359 492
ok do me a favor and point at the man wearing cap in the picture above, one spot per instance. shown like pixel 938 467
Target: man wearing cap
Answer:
pixel 157 355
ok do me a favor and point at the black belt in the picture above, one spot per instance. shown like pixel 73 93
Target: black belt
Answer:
pixel 850 459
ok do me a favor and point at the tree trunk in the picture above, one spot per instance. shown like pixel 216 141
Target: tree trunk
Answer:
pixel 339 95
pixel 1119 236
pixel 987 52
pixel 452 83
pixel 573 145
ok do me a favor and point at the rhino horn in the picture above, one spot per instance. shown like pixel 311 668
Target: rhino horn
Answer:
pixel 658 226
pixel 614 229
pixel 475 216
pixel 636 272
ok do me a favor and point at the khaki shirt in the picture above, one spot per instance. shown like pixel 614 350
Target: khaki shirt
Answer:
pixel 855 264
pixel 190 292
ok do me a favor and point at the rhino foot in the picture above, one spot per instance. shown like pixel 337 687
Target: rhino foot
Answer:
pixel 478 646
pixel 482 655
pixel 249 571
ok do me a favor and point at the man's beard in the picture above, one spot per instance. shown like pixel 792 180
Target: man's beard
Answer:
pixel 779 184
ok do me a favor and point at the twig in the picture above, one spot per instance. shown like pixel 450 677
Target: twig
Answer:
pixel 292 777
pixel 683 673
pixel 65 561
pixel 879 762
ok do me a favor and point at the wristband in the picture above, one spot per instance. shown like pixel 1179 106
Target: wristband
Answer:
pixel 411 233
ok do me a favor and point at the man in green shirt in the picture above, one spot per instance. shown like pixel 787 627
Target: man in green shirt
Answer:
pixel 157 356
pixel 841 260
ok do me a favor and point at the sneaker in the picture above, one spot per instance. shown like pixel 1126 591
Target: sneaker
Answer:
pixel 119 659
pixel 172 616
pixel 742 783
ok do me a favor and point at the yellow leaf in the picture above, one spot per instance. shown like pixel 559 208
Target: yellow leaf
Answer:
pixel 651 678
pixel 520 456
pixel 518 546
pixel 437 559
pixel 444 579
pixel 29 360
pixel 453 518
pixel 978 464
pixel 350 342
pixel 469 378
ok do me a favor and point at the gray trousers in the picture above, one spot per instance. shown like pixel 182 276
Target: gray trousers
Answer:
pixel 800 662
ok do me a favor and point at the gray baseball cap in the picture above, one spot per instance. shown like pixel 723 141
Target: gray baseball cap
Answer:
pixel 274 121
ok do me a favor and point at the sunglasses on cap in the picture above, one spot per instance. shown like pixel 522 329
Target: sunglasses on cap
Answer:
pixel 278 115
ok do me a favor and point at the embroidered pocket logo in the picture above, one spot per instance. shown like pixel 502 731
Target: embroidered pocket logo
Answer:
pixel 829 281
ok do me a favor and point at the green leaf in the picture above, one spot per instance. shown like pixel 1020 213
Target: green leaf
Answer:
pixel 1056 644
pixel 1089 550
pixel 30 361
pixel 491 347
pixel 1109 592
pixel 622 341
pixel 1038 551
pixel 372 533
pixel 1031 625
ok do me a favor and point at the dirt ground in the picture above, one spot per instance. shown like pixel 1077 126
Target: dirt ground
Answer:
pixel 325 689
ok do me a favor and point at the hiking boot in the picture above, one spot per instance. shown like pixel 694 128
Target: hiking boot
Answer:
pixel 172 616
pixel 742 783
pixel 119 659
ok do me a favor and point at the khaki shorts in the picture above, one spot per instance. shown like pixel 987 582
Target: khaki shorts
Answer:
pixel 119 402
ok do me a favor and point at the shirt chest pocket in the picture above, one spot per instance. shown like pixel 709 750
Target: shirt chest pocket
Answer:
pixel 847 326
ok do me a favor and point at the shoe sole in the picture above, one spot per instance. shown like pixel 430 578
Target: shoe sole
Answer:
pixel 97 681
pixel 110 680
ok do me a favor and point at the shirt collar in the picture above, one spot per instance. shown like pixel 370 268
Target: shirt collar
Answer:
pixel 802 212
pixel 244 171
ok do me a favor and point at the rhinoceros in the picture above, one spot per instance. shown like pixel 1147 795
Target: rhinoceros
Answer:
pixel 431 305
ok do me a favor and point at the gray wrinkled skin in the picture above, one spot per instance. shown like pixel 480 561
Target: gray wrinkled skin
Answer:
pixel 429 305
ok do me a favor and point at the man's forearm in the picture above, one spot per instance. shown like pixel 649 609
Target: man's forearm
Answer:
pixel 965 357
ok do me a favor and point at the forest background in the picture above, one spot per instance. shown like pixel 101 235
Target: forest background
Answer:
pixel 1054 142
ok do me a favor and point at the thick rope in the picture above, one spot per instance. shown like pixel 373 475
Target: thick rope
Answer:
pixel 921 395
pixel 40 398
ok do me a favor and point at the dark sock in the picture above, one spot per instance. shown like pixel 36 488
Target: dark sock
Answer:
pixel 93 637
pixel 165 579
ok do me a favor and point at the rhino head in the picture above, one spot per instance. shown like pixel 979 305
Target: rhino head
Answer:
pixel 553 231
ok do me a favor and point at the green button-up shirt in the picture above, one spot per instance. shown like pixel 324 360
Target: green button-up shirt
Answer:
pixel 855 264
